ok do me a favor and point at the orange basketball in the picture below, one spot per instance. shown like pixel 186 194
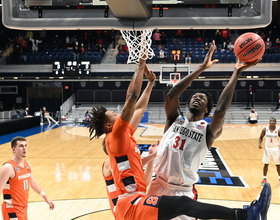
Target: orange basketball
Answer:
pixel 249 47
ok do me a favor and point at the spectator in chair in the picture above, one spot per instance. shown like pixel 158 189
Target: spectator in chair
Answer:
pixel 230 46
pixel 47 116
pixel 206 46
pixel 224 46
pixel 253 118
pixel 188 58
pixel 26 112
pixel 161 56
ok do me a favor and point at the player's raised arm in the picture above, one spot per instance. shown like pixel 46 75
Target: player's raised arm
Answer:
pixel 143 101
pixel 133 91
pixel 172 97
pixel 102 120
pixel 215 127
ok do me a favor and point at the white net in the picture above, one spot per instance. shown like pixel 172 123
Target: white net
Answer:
pixel 139 44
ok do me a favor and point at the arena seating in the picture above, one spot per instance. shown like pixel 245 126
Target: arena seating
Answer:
pixel 196 50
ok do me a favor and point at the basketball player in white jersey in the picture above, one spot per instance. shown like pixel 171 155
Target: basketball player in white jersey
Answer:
pixel 271 149
pixel 187 139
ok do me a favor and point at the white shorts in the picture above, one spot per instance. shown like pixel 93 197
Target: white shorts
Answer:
pixel 271 152
pixel 160 187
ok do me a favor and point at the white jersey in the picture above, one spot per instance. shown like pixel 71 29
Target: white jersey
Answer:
pixel 271 137
pixel 182 150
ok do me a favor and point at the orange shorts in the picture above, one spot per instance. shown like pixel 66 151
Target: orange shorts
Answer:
pixel 138 207
pixel 16 212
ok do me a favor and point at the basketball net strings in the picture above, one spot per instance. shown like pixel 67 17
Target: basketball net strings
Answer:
pixel 139 44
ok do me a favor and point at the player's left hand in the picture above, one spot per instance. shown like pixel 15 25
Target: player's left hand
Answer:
pixel 243 66
pixel 51 204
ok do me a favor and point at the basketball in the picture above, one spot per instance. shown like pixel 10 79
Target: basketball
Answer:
pixel 249 47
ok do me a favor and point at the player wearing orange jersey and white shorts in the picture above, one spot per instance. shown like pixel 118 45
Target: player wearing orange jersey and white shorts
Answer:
pixel 15 180
pixel 127 169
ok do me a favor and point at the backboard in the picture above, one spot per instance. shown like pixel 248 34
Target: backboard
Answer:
pixel 121 14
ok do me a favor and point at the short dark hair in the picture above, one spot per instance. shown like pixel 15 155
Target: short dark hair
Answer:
pixel 272 118
pixel 97 121
pixel 209 100
pixel 15 140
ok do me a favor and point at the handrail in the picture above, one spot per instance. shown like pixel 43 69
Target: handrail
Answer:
pixel 67 105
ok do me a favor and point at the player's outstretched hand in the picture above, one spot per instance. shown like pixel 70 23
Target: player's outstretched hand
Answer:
pixel 150 74
pixel 208 62
pixel 243 66
pixel 142 61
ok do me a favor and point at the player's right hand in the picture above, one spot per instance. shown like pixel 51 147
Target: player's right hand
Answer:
pixel 208 62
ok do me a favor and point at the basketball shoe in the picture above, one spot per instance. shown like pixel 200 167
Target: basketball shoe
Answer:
pixel 258 208
pixel 263 182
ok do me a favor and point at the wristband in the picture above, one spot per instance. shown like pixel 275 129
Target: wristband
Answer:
pixel 42 193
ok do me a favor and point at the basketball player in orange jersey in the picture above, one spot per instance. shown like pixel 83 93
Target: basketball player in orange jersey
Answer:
pixel 128 174
pixel 15 180
pixel 141 107
pixel 271 148
pixel 187 139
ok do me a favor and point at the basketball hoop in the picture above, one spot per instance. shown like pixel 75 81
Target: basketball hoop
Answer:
pixel 174 81
pixel 175 78
pixel 139 44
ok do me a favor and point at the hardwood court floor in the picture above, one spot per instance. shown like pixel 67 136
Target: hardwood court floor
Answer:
pixel 67 165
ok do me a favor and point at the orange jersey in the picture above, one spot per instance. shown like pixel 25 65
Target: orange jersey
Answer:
pixel 112 192
pixel 17 188
pixel 125 160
